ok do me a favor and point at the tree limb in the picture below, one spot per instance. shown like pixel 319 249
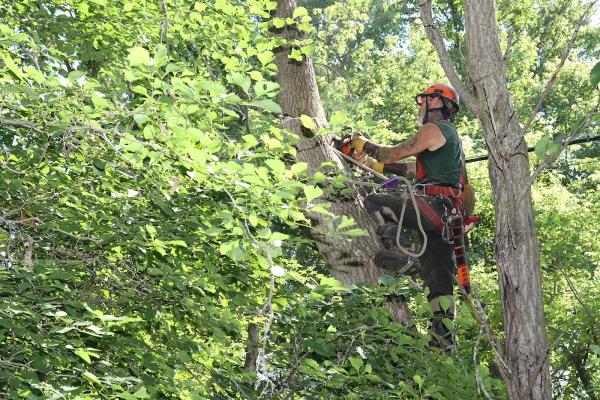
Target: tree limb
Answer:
pixel 553 157
pixel 21 123
pixel 477 374
pixel 164 25
pixel 574 291
pixel 540 365
pixel 563 59
pixel 481 318
pixel 438 43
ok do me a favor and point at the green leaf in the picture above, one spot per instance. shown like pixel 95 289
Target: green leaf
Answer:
pixel 540 147
pixel 266 88
pixel 138 56
pixel 140 89
pixel 308 50
pixel 386 280
pixel 250 140
pixel 266 104
pixel 299 12
pixel 346 222
pixel 241 80
pixel 84 355
pixel 13 67
pixel 312 192
pixel 319 177
pixel 265 57
pixel 140 118
pixel 356 362
pixel 295 54
pixel 448 323
pixel 332 283
pixel 91 377
pixel 215 88
pixel 278 22
pixel 595 75
pixel 418 380
pixel 308 122
pixel 355 232
pixel 99 102
pixel 339 118
pixel 142 393
pixel 74 75
pixel 299 168
pixel 444 303
pixel 276 165
pixel 312 363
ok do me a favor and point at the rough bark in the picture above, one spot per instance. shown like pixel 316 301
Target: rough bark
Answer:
pixel 349 260
pixel 517 250
pixel 252 347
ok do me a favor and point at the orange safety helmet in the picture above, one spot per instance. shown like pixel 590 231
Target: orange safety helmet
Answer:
pixel 445 91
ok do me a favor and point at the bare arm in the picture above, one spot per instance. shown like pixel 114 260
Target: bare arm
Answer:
pixel 427 137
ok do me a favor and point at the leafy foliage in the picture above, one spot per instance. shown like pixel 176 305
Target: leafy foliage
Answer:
pixel 151 213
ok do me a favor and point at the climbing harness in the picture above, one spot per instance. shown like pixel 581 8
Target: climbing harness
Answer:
pixel 393 183
pixel 452 224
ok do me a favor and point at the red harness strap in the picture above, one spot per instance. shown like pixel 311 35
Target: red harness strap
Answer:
pixel 458 232
pixel 430 213
pixel 455 194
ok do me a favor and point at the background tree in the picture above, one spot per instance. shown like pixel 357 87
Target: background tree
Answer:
pixel 527 370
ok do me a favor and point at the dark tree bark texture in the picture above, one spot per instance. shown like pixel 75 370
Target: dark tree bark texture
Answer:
pixel 349 260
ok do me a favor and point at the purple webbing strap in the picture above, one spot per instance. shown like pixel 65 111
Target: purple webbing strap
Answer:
pixel 391 183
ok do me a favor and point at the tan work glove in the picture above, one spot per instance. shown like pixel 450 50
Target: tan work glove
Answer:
pixel 372 163
pixel 361 143
pixel 358 141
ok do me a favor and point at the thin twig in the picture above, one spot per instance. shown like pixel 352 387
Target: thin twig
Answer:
pixel 509 43
pixel 563 59
pixel 14 171
pixel 575 292
pixel 480 383
pixel 553 157
pixel 481 318
pixel 83 238
pixel 261 359
pixel 164 25
pixel 437 41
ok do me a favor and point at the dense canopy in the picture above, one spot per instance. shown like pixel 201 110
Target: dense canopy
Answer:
pixel 155 222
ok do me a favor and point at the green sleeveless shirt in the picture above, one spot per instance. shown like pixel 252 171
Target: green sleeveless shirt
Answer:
pixel 444 164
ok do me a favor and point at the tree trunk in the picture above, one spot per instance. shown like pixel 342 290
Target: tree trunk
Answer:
pixel 517 250
pixel 350 260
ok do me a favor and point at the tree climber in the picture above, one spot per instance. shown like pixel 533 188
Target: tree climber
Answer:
pixel 440 174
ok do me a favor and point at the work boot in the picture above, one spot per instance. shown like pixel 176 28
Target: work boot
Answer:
pixel 440 325
pixel 395 263
pixel 387 234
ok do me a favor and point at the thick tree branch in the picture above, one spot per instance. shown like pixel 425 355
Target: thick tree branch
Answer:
pixel 20 123
pixel 438 43
pixel 563 59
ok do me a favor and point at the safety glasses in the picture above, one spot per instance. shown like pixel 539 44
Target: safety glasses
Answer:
pixel 420 98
